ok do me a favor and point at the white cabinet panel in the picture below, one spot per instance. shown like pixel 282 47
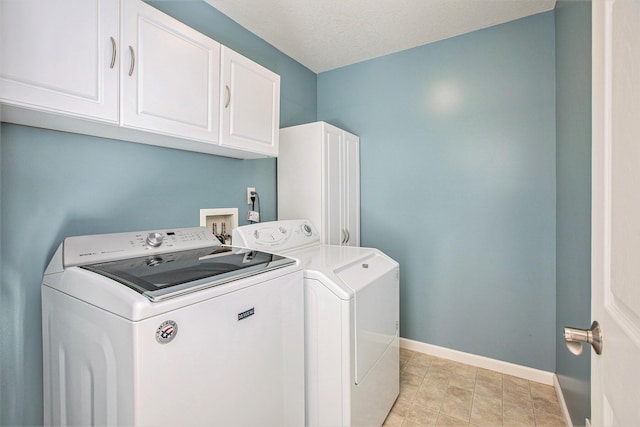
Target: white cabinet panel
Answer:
pixel 250 105
pixel 333 232
pixel 170 76
pixel 319 180
pixel 61 56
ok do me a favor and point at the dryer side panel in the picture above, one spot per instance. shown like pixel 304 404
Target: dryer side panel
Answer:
pixel 375 281
pixel 376 321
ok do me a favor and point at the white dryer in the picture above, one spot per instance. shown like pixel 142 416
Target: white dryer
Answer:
pixel 351 323
pixel 170 328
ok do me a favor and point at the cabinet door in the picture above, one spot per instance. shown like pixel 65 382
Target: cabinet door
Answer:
pixel 341 216
pixel 170 75
pixel 333 218
pixel 60 56
pixel 351 183
pixel 250 105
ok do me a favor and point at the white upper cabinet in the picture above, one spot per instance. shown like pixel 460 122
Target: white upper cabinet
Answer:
pixel 122 69
pixel 170 75
pixel 61 56
pixel 250 105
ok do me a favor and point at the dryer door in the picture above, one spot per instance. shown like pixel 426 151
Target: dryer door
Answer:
pixel 375 281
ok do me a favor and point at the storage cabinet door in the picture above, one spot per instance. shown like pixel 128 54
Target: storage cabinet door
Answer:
pixel 170 75
pixel 60 56
pixel 333 219
pixel 250 105
pixel 351 194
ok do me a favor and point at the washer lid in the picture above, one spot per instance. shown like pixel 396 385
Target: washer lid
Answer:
pixel 167 275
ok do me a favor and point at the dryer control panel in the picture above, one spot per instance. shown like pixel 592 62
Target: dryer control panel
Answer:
pixel 277 236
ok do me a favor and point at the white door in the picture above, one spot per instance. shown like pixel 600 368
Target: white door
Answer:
pixel 615 374
pixel 170 75
pixel 61 56
pixel 250 110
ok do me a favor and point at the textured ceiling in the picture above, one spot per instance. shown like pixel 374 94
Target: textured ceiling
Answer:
pixel 328 34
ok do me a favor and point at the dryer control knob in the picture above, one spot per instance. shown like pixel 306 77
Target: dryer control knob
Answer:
pixel 306 229
pixel 154 239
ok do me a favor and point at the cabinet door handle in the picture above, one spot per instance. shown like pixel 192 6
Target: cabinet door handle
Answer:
pixel 133 61
pixel 228 96
pixel 348 236
pixel 114 52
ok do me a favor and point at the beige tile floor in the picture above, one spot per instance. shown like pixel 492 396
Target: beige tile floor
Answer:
pixel 440 392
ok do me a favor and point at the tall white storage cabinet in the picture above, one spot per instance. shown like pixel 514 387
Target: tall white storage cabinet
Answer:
pixel 319 179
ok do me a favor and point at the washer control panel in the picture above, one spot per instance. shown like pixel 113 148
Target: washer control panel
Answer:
pixel 276 236
pixel 82 250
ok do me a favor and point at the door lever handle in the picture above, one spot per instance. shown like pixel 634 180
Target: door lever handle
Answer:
pixel 574 338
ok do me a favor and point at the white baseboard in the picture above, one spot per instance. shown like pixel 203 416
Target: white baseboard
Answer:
pixel 525 372
pixel 531 374
pixel 563 404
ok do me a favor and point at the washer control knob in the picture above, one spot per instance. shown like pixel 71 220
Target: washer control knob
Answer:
pixel 154 239
pixel 306 230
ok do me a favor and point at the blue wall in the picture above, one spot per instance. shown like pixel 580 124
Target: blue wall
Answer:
pixel 55 184
pixel 458 184
pixel 573 152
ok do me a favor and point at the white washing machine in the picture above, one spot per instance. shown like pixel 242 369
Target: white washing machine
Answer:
pixel 170 328
pixel 351 323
